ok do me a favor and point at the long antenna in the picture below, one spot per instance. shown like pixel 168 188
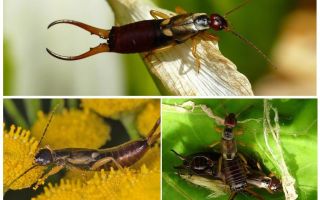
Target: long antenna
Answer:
pixel 22 175
pixel 236 8
pixel 46 128
pixel 252 45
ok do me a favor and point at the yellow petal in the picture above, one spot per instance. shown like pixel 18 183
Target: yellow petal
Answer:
pixel 120 184
pixel 19 150
pixel 72 128
pixel 147 117
pixel 113 108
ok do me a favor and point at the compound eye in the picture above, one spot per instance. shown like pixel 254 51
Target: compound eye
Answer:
pixel 43 157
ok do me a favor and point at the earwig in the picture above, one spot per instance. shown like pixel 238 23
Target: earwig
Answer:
pixel 235 173
pixel 160 33
pixel 118 157
pixel 203 163
pixel 232 163
pixel 203 166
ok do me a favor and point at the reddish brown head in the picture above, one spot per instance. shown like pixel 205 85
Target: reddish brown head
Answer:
pixel 274 185
pixel 230 120
pixel 217 22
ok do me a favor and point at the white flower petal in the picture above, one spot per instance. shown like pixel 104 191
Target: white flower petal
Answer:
pixel 175 68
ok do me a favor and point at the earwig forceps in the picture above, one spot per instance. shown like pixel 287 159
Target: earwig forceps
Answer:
pixel 103 47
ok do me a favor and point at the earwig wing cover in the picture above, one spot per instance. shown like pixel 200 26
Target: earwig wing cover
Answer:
pixel 174 69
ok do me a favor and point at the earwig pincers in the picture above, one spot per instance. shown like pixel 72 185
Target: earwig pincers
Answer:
pixel 160 33
pixel 117 157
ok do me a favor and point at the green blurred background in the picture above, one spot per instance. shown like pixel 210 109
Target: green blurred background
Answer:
pixel 29 70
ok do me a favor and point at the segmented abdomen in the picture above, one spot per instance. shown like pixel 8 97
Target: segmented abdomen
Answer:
pixel 128 153
pixel 235 174
pixel 137 37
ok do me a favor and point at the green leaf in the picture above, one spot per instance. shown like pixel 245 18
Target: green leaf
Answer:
pixel 188 132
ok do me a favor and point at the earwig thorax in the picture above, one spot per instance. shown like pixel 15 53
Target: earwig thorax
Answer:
pixel 202 22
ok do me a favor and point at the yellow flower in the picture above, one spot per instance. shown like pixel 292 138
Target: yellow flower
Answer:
pixel 113 108
pixel 148 117
pixel 120 184
pixel 72 128
pixel 19 152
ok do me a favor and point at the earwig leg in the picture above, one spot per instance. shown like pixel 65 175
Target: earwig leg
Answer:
pixel 220 166
pixel 214 144
pixel 102 33
pixel 179 156
pixel 149 54
pixel 180 10
pixel 53 171
pixel 158 15
pixel 195 54
pixel 103 47
pixel 254 194
pixel 104 161
pixel 158 50
pixel 243 158
pixel 153 135
pixel 208 36
pixel 238 132
pixel 244 162
pixel 232 195
pixel 218 129
pixel 77 170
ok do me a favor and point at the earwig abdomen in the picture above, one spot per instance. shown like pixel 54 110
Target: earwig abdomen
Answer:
pixel 128 153
pixel 137 37
pixel 235 174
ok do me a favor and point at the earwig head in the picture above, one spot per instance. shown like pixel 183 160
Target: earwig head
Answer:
pixel 274 184
pixel 202 21
pixel 230 120
pixel 217 22
pixel 43 157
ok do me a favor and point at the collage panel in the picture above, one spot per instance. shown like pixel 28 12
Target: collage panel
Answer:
pixel 148 47
pixel 160 100
pixel 239 148
pixel 81 149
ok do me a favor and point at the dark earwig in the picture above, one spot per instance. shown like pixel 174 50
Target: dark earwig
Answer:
pixel 235 173
pixel 203 163
pixel 207 167
pixel 118 157
pixel 161 33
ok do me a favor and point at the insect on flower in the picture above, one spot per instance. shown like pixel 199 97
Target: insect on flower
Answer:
pixel 118 157
pixel 158 34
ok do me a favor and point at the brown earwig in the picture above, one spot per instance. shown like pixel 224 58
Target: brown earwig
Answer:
pixel 235 173
pixel 205 165
pixel 119 157
pixel 163 32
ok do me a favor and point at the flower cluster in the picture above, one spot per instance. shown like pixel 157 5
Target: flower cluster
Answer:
pixel 85 128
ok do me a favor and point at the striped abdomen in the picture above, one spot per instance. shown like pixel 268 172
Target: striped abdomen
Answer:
pixel 128 153
pixel 235 174
pixel 137 37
